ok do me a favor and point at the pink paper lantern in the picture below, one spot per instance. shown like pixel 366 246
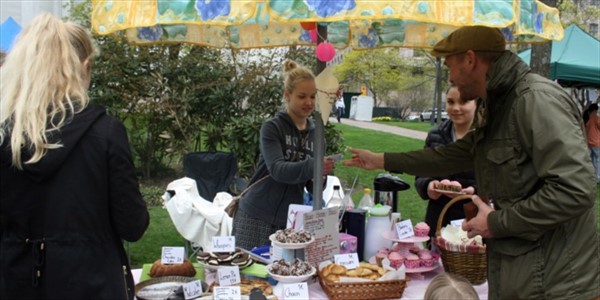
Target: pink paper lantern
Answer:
pixel 325 51
pixel 313 35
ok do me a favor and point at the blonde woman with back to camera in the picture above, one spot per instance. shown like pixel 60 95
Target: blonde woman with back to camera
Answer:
pixel 448 286
pixel 69 190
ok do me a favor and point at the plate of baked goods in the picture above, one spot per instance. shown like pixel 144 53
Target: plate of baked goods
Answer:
pixel 290 239
pixel 165 287
pixel 247 285
pixel 214 260
pixel 296 271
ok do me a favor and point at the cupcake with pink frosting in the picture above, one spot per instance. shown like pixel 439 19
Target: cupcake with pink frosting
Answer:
pixel 379 258
pixel 396 260
pixel 412 261
pixel 421 229
pixel 426 258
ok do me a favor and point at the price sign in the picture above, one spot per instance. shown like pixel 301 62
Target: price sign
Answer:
pixel 295 291
pixel 404 229
pixel 457 223
pixel 348 260
pixel 227 293
pixel 192 289
pixel 172 255
pixel 223 244
pixel 229 275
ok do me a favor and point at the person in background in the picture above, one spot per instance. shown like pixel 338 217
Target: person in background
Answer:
pixel 535 188
pixel 69 189
pixel 285 165
pixel 592 129
pixel 447 286
pixel 461 114
pixel 340 106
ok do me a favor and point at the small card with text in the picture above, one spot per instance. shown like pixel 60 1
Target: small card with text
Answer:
pixel 229 276
pixel 192 289
pixel 223 244
pixel 404 229
pixel 227 293
pixel 457 223
pixel 348 260
pixel 295 291
pixel 172 255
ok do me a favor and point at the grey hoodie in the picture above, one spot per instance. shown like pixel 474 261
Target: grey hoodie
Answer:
pixel 286 154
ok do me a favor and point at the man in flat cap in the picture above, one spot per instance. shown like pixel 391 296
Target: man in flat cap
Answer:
pixel 532 168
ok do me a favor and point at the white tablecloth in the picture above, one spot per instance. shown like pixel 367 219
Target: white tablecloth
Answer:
pixel 414 290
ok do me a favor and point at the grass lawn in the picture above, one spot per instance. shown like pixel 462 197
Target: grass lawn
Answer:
pixel 162 232
pixel 420 126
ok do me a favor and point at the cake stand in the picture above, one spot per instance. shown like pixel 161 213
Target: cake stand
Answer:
pixel 403 248
pixel 290 251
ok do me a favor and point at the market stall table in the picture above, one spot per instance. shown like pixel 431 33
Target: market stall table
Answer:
pixel 414 290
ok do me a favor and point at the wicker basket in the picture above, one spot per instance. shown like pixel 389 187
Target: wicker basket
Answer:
pixel 376 289
pixel 472 266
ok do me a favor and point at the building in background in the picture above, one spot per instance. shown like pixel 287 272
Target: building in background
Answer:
pixel 23 11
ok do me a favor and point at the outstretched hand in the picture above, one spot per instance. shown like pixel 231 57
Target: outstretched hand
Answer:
pixel 365 159
pixel 479 225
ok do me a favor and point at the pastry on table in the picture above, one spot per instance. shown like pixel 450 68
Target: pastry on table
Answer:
pixel 185 269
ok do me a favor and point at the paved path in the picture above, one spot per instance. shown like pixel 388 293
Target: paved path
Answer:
pixel 415 134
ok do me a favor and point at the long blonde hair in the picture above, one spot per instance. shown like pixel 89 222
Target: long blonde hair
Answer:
pixel 295 73
pixel 43 82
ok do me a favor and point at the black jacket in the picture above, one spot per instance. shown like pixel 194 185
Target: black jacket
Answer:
pixel 439 136
pixel 79 201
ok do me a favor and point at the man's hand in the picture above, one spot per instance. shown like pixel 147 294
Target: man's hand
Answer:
pixel 431 192
pixel 479 225
pixel 365 159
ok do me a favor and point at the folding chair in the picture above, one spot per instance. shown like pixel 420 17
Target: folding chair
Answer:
pixel 213 171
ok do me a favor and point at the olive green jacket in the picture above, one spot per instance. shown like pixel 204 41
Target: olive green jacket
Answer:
pixel 530 159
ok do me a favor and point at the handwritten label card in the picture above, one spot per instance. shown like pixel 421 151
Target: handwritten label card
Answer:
pixel 223 244
pixel 348 260
pixel 404 229
pixel 227 293
pixel 323 224
pixel 172 255
pixel 229 276
pixel 295 291
pixel 457 223
pixel 192 289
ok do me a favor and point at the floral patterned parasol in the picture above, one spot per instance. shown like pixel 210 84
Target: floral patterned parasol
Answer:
pixel 360 24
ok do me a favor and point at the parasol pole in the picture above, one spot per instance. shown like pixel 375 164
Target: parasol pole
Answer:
pixel 319 150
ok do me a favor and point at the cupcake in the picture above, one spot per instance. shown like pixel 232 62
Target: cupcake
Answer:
pixel 426 258
pixel 396 260
pixel 421 229
pixel 412 261
pixel 396 247
pixel 385 250
pixel 379 258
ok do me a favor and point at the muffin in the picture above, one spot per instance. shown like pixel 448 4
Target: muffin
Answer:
pixel 412 261
pixel 426 258
pixel 379 258
pixel 396 260
pixel 421 229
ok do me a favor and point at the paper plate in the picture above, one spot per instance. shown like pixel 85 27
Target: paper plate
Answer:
pixel 162 287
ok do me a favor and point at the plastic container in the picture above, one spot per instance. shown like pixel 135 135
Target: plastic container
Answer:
pixel 366 202
pixel 347 201
pixel 337 200
pixel 377 223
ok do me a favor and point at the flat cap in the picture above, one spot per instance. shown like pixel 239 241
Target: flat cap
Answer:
pixel 476 38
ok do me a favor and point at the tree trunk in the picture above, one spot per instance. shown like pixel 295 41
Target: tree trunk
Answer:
pixel 541 53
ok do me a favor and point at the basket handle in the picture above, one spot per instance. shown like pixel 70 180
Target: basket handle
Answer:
pixel 446 207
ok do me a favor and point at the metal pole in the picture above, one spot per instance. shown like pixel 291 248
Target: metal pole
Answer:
pixel 319 150
pixel 437 95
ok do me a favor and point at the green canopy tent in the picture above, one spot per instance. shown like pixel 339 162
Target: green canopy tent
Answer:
pixel 575 60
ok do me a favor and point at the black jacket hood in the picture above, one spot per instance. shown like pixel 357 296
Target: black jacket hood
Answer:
pixel 69 136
